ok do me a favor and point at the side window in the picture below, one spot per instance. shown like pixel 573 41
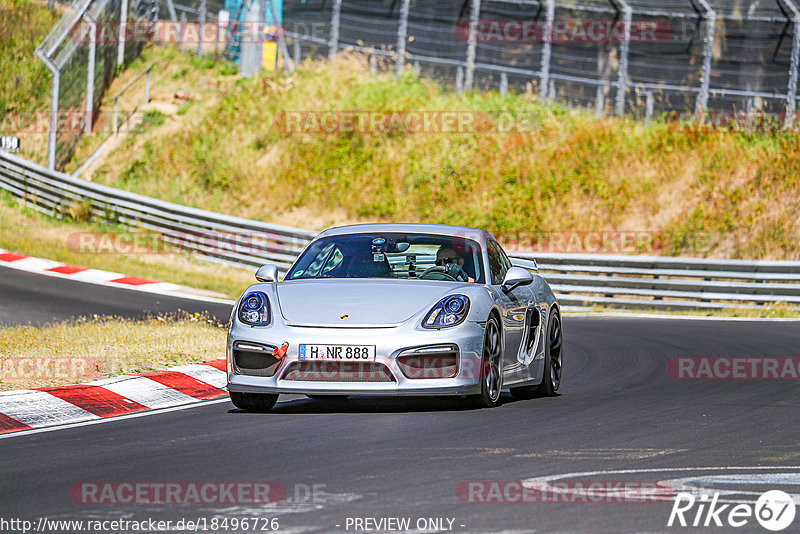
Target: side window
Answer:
pixel 316 265
pixel 498 270
pixel 333 262
pixel 504 258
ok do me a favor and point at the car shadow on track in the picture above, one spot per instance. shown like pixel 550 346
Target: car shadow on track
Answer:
pixel 357 404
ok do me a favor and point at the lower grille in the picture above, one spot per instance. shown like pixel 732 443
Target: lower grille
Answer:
pixel 339 372
pixel 420 366
pixel 250 363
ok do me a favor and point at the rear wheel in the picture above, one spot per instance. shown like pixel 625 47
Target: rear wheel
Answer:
pixel 253 402
pixel 551 379
pixel 491 367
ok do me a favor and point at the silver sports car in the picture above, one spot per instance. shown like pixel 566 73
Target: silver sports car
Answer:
pixel 396 309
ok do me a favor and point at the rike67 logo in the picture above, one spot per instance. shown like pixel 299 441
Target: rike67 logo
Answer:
pixel 774 510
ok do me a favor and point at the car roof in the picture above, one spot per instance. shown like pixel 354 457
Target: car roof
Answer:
pixel 476 234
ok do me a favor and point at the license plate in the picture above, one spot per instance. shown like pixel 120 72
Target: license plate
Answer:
pixel 339 353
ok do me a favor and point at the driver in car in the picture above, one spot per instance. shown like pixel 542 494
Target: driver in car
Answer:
pixel 453 263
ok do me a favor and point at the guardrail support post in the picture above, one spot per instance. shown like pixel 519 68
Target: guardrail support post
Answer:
pixel 503 83
pixel 402 36
pixel 472 42
pixel 708 50
pixel 544 71
pixel 624 48
pixel 336 16
pixel 648 107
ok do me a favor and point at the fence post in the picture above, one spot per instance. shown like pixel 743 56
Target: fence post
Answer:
pixel 116 115
pixel 503 83
pixel 708 49
pixel 472 42
pixel 201 28
pixel 648 107
pixel 284 52
pixel 402 35
pixel 336 16
pixel 90 72
pixel 791 94
pixel 624 48
pixel 174 17
pixel 147 85
pixel 53 129
pixel 251 52
pixel 296 50
pixel 600 102
pixel 459 78
pixel 182 34
pixel 123 20
pixel 544 71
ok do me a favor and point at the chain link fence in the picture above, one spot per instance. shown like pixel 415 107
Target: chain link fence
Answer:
pixel 83 61
pixel 643 58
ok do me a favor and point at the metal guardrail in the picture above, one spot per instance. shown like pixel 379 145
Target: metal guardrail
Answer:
pixel 235 240
pixel 577 279
pixel 668 282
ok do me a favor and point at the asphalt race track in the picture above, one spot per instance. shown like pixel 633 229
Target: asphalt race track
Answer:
pixel 29 298
pixel 618 410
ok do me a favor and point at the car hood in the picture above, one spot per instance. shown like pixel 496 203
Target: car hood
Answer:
pixel 362 302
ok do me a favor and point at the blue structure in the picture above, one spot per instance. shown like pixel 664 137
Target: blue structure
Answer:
pixel 240 6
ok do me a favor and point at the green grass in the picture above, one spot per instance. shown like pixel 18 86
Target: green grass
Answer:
pixel 24 79
pixel 25 83
pixel 699 191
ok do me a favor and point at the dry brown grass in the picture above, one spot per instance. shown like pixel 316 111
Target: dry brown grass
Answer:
pixel 88 349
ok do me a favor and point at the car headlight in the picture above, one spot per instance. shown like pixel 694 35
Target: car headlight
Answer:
pixel 450 311
pixel 254 309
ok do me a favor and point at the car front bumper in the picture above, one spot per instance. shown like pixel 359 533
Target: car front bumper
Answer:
pixel 389 344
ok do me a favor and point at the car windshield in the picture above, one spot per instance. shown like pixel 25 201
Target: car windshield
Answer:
pixel 391 255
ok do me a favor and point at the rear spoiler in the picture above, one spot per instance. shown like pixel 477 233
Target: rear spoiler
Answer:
pixel 531 265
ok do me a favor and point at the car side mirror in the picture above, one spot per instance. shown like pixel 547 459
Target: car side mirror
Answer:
pixel 516 277
pixel 267 273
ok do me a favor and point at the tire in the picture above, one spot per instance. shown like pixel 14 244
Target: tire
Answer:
pixel 491 363
pixel 253 402
pixel 553 360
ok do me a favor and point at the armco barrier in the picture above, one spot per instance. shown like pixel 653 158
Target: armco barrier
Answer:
pixel 577 279
pixel 54 192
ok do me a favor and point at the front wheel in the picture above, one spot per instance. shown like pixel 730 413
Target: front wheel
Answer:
pixel 491 367
pixel 253 402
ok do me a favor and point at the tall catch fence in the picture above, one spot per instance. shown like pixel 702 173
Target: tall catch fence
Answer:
pixel 638 57
pixel 83 61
